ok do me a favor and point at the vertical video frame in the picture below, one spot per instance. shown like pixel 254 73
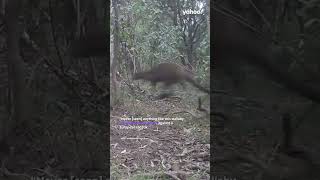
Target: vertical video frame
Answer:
pixel 159 89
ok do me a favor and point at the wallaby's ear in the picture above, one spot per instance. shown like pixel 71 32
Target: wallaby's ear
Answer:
pixel 92 44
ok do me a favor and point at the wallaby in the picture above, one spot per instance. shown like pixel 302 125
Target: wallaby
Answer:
pixel 169 74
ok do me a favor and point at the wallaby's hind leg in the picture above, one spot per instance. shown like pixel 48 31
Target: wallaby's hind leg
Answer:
pixel 154 86
pixel 166 91
pixel 164 95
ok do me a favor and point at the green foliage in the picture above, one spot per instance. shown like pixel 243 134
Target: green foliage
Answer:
pixel 148 27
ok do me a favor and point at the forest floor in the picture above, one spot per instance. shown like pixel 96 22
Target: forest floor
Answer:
pixel 180 150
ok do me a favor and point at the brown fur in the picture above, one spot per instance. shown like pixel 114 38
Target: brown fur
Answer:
pixel 169 74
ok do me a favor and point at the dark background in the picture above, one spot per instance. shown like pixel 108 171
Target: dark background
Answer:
pixel 265 55
pixel 53 84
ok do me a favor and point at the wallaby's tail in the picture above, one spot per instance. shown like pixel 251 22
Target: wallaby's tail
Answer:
pixel 190 80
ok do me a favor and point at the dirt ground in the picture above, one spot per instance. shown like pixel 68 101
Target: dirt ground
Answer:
pixel 177 151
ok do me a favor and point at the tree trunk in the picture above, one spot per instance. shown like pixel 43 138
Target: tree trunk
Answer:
pixel 116 46
pixel 20 93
